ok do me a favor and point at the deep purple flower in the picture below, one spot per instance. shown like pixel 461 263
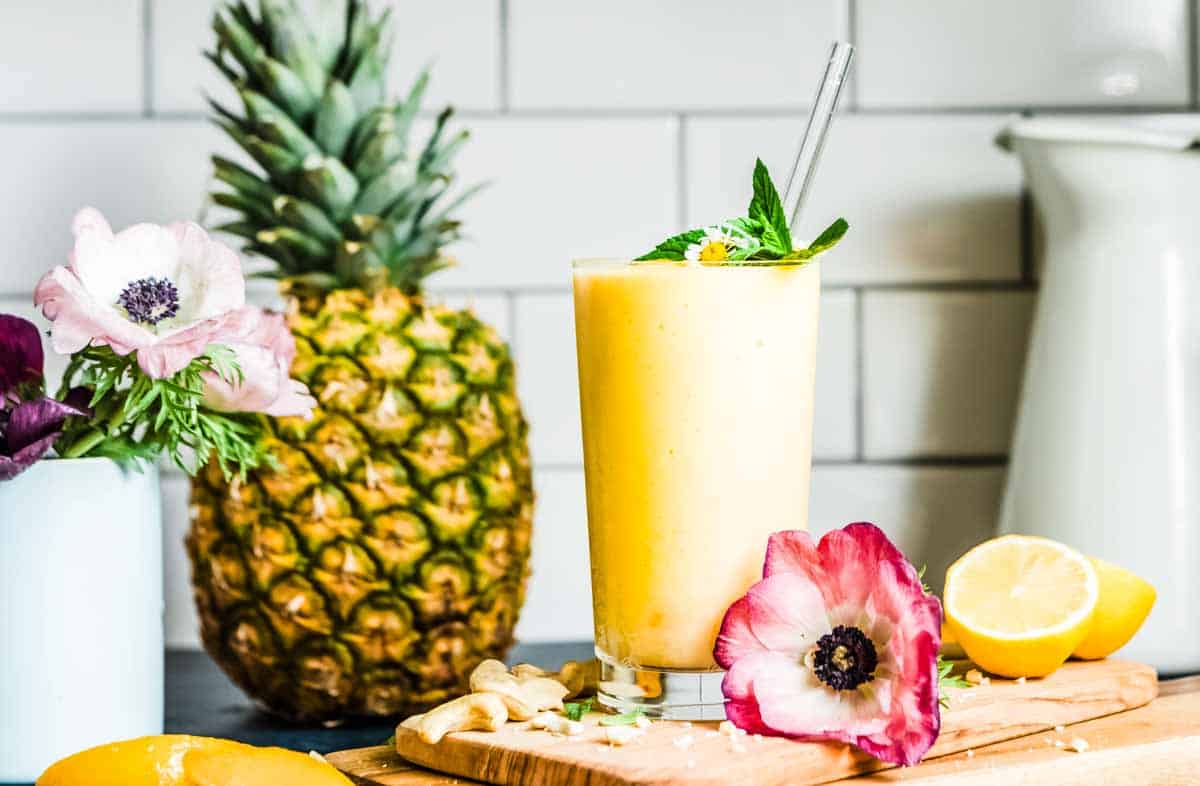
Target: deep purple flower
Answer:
pixel 20 353
pixel 30 431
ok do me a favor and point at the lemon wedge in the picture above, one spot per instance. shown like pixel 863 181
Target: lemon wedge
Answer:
pixel 1125 602
pixel 1020 605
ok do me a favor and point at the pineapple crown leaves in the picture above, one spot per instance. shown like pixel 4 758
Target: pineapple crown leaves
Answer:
pixel 341 199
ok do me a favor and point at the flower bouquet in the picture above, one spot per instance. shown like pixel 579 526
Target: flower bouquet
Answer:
pixel 165 358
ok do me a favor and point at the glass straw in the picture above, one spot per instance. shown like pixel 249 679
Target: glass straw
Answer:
pixel 824 104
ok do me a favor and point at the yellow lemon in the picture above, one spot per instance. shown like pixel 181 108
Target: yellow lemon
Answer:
pixel 1020 605
pixel 183 760
pixel 1125 601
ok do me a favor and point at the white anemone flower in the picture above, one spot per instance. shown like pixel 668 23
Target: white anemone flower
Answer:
pixel 160 291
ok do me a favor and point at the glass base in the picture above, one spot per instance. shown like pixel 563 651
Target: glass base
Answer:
pixel 660 693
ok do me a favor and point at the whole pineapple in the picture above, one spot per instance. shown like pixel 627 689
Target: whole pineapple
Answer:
pixel 387 552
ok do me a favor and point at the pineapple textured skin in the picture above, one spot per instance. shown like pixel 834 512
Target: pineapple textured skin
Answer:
pixel 387 553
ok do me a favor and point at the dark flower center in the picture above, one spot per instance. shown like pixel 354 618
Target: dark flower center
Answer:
pixel 149 300
pixel 845 658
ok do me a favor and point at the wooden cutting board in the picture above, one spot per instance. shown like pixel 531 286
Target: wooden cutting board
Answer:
pixel 978 716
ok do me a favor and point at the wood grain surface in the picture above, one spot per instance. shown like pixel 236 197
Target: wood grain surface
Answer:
pixel 978 716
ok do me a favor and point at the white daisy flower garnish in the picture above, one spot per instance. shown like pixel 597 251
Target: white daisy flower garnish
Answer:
pixel 717 245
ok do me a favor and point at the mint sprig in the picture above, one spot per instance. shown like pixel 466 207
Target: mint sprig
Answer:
pixel 762 237
pixel 624 719
pixel 575 710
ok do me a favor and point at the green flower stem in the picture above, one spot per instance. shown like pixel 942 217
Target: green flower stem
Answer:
pixel 82 446
pixel 96 435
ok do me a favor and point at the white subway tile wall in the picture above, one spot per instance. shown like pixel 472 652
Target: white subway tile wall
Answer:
pixel 603 127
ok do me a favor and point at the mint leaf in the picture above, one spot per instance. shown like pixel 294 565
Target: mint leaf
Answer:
pixel 767 208
pixel 825 241
pixel 624 719
pixel 575 710
pixel 673 247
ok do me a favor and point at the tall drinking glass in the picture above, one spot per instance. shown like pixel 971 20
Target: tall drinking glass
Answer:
pixel 696 391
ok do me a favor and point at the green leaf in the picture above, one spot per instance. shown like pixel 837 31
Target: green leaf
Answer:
pixel 947 680
pixel 624 719
pixel 830 237
pixel 767 208
pixel 575 710
pixel 335 119
pixel 673 247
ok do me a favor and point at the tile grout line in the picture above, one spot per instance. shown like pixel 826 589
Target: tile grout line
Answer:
pixel 1193 35
pixel 850 22
pixel 503 52
pixel 600 113
pixel 860 436
pixel 681 175
pixel 147 58
pixel 510 308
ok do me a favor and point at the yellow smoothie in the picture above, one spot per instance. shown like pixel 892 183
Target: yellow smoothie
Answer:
pixel 696 391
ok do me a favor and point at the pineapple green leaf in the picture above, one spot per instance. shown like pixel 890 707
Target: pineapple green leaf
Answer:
pixel 335 119
pixel 288 90
pixel 332 156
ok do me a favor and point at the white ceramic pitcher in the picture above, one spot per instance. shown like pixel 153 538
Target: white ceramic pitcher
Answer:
pixel 1106 455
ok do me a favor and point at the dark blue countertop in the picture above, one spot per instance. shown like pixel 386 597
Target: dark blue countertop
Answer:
pixel 201 700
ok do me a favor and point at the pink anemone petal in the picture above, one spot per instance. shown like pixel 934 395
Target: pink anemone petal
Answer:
pixel 294 400
pixel 735 638
pixel 786 613
pixel 265 386
pixel 793 551
pixel 780 697
pixel 210 270
pixel 79 320
pixel 851 557
pixel 173 353
pixel 90 220
pixel 915 719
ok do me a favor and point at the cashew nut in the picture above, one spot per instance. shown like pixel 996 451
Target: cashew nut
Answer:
pixel 475 711
pixel 523 698
pixel 579 679
pixel 621 735
pixel 556 724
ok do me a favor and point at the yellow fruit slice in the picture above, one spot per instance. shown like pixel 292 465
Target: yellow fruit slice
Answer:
pixel 1125 602
pixel 1020 605
pixel 183 760
pixel 258 767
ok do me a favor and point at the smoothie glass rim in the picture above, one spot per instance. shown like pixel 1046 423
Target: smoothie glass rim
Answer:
pixel 617 263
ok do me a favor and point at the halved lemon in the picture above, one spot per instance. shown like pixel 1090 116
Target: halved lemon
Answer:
pixel 1020 605
pixel 1125 602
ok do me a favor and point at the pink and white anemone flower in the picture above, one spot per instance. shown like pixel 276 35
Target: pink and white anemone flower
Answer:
pixel 263 348
pixel 838 641
pixel 159 291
